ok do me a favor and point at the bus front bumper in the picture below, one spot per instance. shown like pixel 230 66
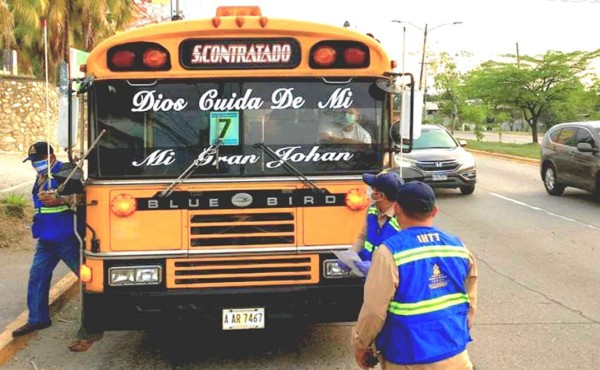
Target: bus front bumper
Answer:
pixel 134 310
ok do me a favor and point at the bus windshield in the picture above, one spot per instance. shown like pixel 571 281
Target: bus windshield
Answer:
pixel 158 128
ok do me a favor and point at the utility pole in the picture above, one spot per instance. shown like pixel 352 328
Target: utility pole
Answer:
pixel 423 57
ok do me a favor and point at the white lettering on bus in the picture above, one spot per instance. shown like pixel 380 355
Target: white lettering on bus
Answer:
pixel 207 157
pixel 329 199
pixel 240 53
pixel 144 101
pixel 284 98
pixel 173 205
pixel 152 204
pixel 309 200
pixel 157 158
pixel 208 101
pixel 271 201
pixel 213 202
pixel 340 98
pixel 287 154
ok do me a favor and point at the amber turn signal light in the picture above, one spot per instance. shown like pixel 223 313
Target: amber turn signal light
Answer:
pixel 123 205
pixel 357 199
pixel 85 273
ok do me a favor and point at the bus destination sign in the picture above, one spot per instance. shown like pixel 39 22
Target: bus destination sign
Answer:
pixel 239 53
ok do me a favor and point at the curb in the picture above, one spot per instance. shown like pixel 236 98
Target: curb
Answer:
pixel 60 293
pixel 505 156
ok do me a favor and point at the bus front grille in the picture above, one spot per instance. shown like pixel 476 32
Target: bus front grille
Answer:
pixel 211 272
pixel 249 228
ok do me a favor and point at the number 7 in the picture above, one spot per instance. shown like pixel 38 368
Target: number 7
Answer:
pixel 225 128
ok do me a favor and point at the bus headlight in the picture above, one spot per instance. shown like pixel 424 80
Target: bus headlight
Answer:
pixel 134 275
pixel 331 269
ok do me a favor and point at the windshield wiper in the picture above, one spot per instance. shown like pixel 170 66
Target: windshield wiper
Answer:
pixel 213 149
pixel 288 167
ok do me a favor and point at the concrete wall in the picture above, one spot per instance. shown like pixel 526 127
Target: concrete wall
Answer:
pixel 23 113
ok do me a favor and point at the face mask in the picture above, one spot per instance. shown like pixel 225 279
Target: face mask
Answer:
pixel 346 120
pixel 40 166
pixel 350 119
pixel 370 194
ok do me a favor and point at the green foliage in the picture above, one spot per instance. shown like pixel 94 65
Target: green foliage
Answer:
pixel 530 150
pixel 15 215
pixel 449 82
pixel 81 24
pixel 532 85
pixel 15 200
pixel 14 205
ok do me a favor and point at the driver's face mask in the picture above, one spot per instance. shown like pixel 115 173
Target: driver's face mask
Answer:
pixel 348 120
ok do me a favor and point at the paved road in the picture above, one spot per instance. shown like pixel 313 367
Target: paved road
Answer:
pixel 523 138
pixel 539 305
pixel 17 177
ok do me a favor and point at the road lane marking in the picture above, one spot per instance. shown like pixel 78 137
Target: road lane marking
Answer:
pixel 545 211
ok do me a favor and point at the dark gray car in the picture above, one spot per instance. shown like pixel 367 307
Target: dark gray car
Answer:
pixel 441 160
pixel 570 157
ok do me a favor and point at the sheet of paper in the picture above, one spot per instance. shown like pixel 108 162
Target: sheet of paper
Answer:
pixel 350 257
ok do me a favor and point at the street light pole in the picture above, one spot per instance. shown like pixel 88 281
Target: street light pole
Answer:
pixel 423 57
pixel 426 31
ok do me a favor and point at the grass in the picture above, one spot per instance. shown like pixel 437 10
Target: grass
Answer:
pixel 16 200
pixel 529 150
pixel 15 218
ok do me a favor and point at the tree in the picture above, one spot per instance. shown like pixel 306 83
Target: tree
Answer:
pixel 449 84
pixel 7 39
pixel 531 84
pixel 71 23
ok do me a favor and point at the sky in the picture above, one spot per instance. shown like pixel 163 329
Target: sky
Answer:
pixel 489 27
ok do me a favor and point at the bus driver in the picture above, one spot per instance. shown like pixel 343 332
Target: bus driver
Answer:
pixel 345 129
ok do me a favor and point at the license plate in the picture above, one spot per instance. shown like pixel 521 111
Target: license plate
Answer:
pixel 243 318
pixel 439 177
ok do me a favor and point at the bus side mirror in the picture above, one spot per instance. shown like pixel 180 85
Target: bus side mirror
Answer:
pixel 411 117
pixel 62 127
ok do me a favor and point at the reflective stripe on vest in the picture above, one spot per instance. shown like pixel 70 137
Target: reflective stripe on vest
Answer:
pixel 394 223
pixel 367 245
pixel 58 209
pixel 429 252
pixel 430 305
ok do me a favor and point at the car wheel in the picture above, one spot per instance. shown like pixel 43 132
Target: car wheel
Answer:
pixel 550 182
pixel 467 189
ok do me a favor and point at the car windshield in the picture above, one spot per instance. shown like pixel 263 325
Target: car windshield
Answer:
pixel 434 138
pixel 158 128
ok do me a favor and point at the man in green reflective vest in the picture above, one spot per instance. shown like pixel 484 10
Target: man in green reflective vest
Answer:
pixel 54 228
pixel 420 293
pixel 380 222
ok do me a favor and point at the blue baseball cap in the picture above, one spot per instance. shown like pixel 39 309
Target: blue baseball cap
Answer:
pixel 386 182
pixel 38 151
pixel 416 196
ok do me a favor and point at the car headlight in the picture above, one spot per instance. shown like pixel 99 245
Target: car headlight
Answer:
pixel 134 275
pixel 402 161
pixel 467 160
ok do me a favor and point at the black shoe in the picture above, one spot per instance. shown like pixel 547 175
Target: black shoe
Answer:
pixel 30 328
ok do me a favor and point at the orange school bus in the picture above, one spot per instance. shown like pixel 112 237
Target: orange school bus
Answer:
pixel 227 170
